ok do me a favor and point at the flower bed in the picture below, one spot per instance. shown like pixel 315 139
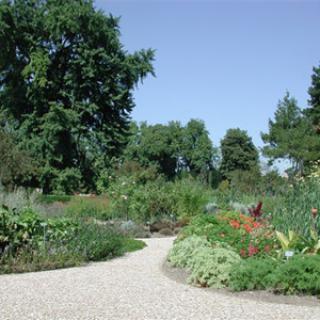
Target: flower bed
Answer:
pixel 264 254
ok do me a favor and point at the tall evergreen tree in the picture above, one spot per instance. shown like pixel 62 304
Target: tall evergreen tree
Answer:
pixel 291 136
pixel 66 86
pixel 314 91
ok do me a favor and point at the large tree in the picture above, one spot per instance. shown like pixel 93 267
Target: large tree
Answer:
pixel 291 136
pixel 197 151
pixel 238 153
pixel 172 148
pixel 155 145
pixel 16 166
pixel 66 86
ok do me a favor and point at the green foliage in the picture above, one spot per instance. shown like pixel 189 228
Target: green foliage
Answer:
pixel 291 136
pixel 247 236
pixel 30 243
pixel 25 228
pixel 16 165
pixel 156 199
pixel 66 87
pixel 290 242
pixel 96 242
pixel 178 149
pixel 292 211
pixel 190 197
pixel 182 252
pixel 314 91
pixel 250 274
pixel 86 207
pixel 299 275
pixel 209 264
pixel 51 198
pixel 131 245
pixel 238 153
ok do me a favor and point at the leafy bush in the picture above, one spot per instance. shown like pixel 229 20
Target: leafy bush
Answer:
pixel 209 264
pixel 156 199
pixel 30 243
pixel 250 274
pixel 86 207
pixel 182 253
pixel 190 197
pixel 299 275
pixel 96 242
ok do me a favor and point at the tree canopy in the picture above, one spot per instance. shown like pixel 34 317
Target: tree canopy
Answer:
pixel 238 153
pixel 314 91
pixel 172 148
pixel 291 136
pixel 66 86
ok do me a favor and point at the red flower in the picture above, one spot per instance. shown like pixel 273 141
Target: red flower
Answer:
pixel 247 228
pixel 252 250
pixel 256 224
pixel 243 253
pixel 267 248
pixel 234 224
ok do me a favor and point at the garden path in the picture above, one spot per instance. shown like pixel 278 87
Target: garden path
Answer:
pixel 131 287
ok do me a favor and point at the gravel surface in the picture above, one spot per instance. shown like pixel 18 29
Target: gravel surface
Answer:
pixel 131 287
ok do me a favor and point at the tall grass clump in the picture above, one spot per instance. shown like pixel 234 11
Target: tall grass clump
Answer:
pixel 293 210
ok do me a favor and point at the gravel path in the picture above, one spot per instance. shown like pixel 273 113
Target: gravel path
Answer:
pixel 132 287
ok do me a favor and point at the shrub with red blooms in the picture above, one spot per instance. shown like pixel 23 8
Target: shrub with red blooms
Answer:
pixel 248 236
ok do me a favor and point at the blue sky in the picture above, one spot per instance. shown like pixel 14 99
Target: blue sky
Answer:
pixel 225 62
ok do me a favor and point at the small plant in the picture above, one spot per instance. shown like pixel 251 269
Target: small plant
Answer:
pixel 256 212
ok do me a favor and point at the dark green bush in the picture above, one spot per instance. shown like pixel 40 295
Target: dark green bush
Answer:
pixel 97 242
pixel 250 274
pixel 299 275
pixel 30 243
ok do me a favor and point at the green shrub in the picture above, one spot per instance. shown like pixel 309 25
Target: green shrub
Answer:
pixel 37 260
pixel 299 275
pixel 190 197
pixel 210 267
pixel 131 245
pixel 97 242
pixel 208 264
pixel 143 200
pixel 250 274
pixel 182 252
pixel 88 207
